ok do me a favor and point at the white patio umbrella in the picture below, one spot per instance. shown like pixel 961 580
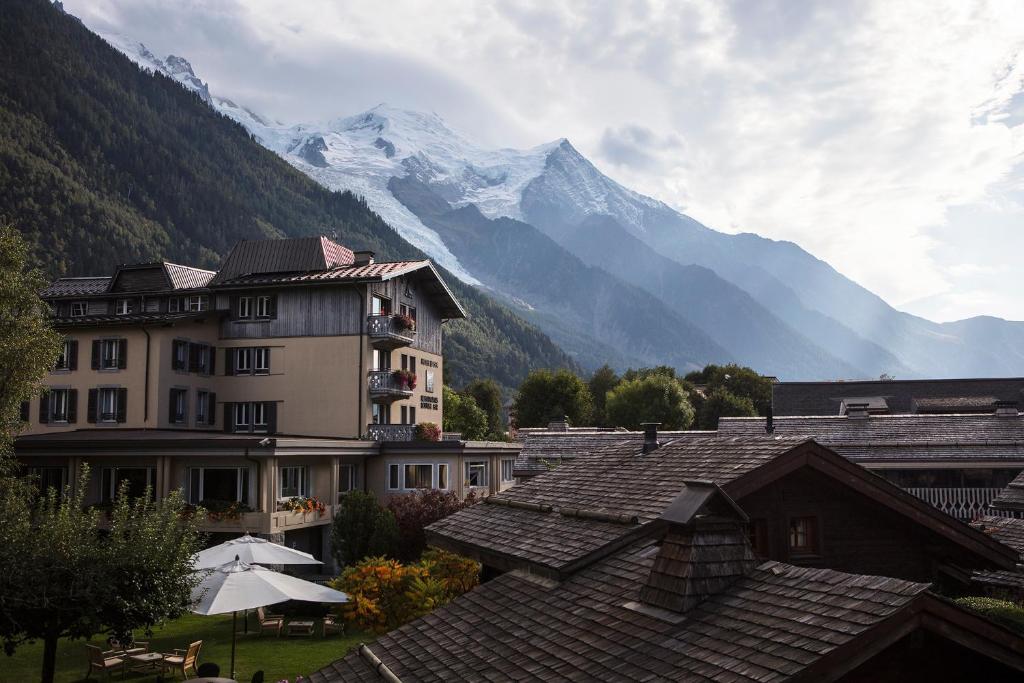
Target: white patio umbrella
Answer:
pixel 252 550
pixel 238 585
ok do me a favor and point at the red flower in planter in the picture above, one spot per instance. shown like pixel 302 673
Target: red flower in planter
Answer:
pixel 405 322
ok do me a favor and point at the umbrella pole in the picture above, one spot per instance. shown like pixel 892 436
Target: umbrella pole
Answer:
pixel 234 617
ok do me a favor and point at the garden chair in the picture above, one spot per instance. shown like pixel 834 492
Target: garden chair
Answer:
pixel 183 660
pixel 333 626
pixel 104 660
pixel 269 622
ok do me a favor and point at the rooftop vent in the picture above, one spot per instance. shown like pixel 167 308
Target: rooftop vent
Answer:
pixel 857 411
pixel 362 258
pixel 1007 408
pixel 650 436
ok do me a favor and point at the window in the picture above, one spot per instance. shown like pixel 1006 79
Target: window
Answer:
pixel 242 416
pixel 381 414
pixel 758 534
pixel 198 302
pixel 46 478
pixel 178 408
pixel 507 467
pixel 346 479
pixel 409 363
pixel 380 306
pixel 179 355
pixel 259 417
pixel 381 360
pixel 199 356
pixel 253 417
pixel 264 307
pixel 429 384
pixel 59 405
pixel 138 479
pixel 408 415
pixel 68 358
pixel 203 409
pixel 174 304
pixel 476 473
pixel 261 361
pixel 419 476
pixel 442 476
pixel 79 308
pixel 243 361
pixel 803 534
pixel 244 309
pixel 108 405
pixel 221 484
pixel 292 482
pixel 123 306
pixel 393 483
pixel 109 354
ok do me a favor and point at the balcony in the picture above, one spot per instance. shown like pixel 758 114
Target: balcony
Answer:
pixel 268 522
pixel 385 387
pixel 963 503
pixel 389 332
pixel 391 432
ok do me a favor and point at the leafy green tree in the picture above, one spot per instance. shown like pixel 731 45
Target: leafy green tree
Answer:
pixel 640 373
pixel 738 381
pixel 62 576
pixel 362 528
pixel 655 398
pixel 487 395
pixel 462 415
pixel 601 382
pixel 28 344
pixel 721 403
pixel 545 395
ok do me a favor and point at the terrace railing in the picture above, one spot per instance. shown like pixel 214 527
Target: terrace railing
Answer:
pixel 391 432
pixel 963 503
pixel 388 331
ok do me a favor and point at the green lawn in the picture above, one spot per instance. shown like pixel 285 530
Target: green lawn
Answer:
pixel 278 657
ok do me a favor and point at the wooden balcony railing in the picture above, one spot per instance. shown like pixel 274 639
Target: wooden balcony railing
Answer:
pixel 389 331
pixel 963 503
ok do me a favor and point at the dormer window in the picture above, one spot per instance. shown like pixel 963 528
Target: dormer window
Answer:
pixel 198 302
pixel 123 306
pixel 803 535
pixel 244 307
pixel 79 308
pixel 263 307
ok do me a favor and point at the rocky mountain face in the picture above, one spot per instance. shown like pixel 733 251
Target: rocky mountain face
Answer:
pixel 717 296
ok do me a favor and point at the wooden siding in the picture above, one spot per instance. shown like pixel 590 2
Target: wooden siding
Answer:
pixel 428 322
pixel 141 280
pixel 304 312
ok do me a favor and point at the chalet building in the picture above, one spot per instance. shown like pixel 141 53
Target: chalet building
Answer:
pixel 686 600
pixel 959 463
pixel 807 506
pixel 299 370
pixel 896 397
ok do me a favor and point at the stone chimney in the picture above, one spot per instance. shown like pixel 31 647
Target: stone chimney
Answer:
pixel 857 411
pixel 363 258
pixel 1007 408
pixel 650 436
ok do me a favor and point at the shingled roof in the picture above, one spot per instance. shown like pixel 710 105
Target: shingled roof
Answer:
pixel 923 438
pixel 826 398
pixel 75 286
pixel 545 449
pixel 1012 497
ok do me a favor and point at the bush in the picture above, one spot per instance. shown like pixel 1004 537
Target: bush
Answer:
pixel 362 528
pixel 1003 612
pixel 427 431
pixel 384 594
pixel 413 512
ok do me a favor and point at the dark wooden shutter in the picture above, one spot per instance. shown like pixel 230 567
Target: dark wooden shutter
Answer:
pixel 73 355
pixel 211 409
pixel 212 359
pixel 93 407
pixel 229 361
pixel 271 418
pixel 172 413
pixel 44 408
pixel 234 308
pixel 72 405
pixel 122 405
pixel 122 353
pixel 227 416
pixel 25 407
pixel 96 354
pixel 272 306
pixel 193 357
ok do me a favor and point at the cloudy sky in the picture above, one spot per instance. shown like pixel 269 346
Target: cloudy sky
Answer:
pixel 884 137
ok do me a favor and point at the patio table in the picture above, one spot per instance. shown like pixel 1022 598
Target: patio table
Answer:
pixel 299 628
pixel 146 661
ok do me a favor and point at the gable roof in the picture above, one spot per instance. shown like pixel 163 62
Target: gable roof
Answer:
pixel 825 398
pixel 777 623
pixel 292 255
pixel 1012 497
pixel 75 286
pixel 1006 530
pixel 159 276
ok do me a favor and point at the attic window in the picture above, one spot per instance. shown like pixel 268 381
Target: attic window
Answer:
pixel 123 306
pixel 79 308
pixel 803 535
pixel 198 302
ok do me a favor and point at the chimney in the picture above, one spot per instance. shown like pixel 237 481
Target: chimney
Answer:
pixel 362 258
pixel 1006 408
pixel 561 425
pixel 769 422
pixel 650 436
pixel 857 411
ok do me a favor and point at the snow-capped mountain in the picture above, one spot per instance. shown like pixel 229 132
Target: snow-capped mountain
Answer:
pixel 768 304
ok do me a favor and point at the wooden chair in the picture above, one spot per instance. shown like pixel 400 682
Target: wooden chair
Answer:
pixel 105 660
pixel 269 622
pixel 183 660
pixel 333 626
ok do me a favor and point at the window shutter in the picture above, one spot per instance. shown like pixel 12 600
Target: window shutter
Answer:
pixel 271 418
pixel 25 407
pixel 94 396
pixel 73 353
pixel 122 404
pixel 227 416
pixel 212 370
pixel 234 308
pixel 72 405
pixel 193 357
pixel 267 356
pixel 122 353
pixel 172 413
pixel 44 409
pixel 272 304
pixel 95 354
pixel 211 409
pixel 229 361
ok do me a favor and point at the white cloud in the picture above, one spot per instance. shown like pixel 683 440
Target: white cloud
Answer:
pixel 850 128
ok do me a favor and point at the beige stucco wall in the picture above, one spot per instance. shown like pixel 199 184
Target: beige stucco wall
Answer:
pixel 422 414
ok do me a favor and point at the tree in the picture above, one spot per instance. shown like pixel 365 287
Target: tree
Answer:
pixel 62 576
pixel 487 395
pixel 28 344
pixel 738 381
pixel 414 512
pixel 462 415
pixel 601 382
pixel 655 398
pixel 545 395
pixel 721 403
pixel 362 528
